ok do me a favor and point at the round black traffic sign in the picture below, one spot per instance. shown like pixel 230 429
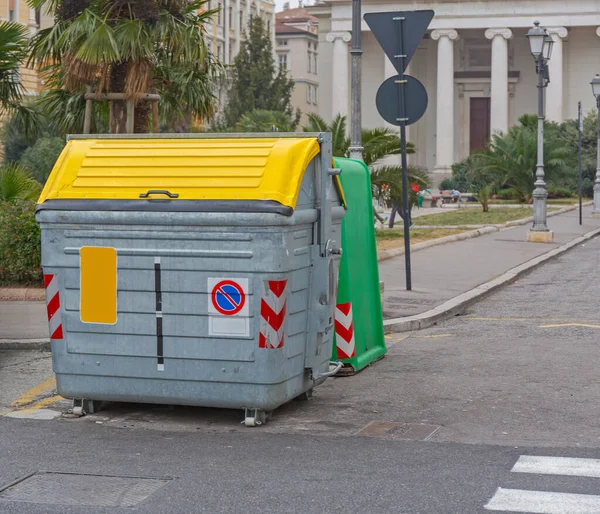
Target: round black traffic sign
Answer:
pixel 388 100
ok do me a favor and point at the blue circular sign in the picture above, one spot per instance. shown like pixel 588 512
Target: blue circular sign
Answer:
pixel 228 297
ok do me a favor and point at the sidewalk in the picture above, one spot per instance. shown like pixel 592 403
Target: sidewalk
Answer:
pixel 441 273
pixel 450 275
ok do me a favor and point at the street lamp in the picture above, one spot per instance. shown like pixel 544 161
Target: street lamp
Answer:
pixel 540 44
pixel 596 90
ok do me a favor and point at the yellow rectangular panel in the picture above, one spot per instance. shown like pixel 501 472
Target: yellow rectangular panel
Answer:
pixel 98 285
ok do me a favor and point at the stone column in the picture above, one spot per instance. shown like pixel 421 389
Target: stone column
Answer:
pixel 339 82
pixel 554 92
pixel 388 71
pixel 237 25
pixel 445 100
pixel 499 82
pixel 225 27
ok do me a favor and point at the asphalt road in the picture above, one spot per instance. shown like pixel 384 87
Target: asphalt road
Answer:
pixel 515 376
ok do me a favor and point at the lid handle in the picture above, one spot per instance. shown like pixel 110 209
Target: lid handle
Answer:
pixel 158 192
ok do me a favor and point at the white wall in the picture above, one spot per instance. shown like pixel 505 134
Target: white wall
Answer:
pixel 582 62
pixel 325 64
pixel 372 78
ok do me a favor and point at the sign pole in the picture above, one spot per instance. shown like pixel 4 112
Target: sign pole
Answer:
pixel 400 56
pixel 579 170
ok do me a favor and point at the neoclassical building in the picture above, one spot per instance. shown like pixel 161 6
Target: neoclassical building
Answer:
pixel 475 64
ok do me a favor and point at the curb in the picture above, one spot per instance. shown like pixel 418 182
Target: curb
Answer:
pixel 457 305
pixel 384 255
pixel 25 344
pixel 16 294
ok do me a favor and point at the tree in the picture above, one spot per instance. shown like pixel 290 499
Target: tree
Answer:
pixel 13 53
pixel 377 144
pixel 121 46
pixel 255 84
pixel 41 157
pixel 511 158
pixel 267 121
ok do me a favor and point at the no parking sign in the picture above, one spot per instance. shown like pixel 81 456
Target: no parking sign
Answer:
pixel 228 306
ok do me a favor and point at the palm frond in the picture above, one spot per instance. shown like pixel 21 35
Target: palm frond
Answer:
pixel 16 183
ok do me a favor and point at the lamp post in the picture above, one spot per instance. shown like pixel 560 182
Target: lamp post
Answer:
pixel 596 90
pixel 356 147
pixel 540 44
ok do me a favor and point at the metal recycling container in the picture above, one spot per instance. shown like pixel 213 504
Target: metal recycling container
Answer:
pixel 192 270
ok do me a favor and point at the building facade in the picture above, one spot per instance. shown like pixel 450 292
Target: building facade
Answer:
pixel 297 49
pixel 475 64
pixel 228 26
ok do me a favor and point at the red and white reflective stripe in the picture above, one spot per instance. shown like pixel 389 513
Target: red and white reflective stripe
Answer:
pixel 272 314
pixel 344 330
pixel 53 304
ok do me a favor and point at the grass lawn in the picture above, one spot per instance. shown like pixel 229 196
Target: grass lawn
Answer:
pixel 474 216
pixel 394 238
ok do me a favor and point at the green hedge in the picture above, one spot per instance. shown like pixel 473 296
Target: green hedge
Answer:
pixel 20 244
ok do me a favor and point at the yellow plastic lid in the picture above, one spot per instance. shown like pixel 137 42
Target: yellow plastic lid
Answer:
pixel 192 169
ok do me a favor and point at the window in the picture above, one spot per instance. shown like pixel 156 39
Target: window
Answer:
pixel 241 20
pixel 268 26
pixel 13 13
pixel 282 42
pixel 219 14
pixel 219 51
pixel 315 95
pixel 283 62
pixel 309 62
pixel 230 17
pixel 315 70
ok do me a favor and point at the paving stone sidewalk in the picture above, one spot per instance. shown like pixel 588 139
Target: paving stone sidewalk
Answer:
pixel 443 272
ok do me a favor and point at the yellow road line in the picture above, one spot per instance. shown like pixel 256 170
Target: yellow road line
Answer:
pixel 41 404
pixel 434 336
pixel 34 392
pixel 570 325
pixel 396 338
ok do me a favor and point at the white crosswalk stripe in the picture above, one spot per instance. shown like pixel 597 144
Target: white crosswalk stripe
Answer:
pixel 545 502
pixel 558 466
pixel 540 502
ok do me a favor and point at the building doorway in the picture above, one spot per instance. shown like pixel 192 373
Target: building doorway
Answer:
pixel 479 123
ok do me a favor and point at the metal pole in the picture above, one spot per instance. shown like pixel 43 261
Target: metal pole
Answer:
pixel 597 184
pixel 356 148
pixel 402 102
pixel 579 168
pixel 540 194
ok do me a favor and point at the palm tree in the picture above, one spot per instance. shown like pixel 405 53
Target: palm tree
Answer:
pixel 16 183
pixel 377 144
pixel 511 159
pixel 13 52
pixel 120 46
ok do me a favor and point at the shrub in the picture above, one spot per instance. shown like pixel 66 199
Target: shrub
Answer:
pixel 20 244
pixel 40 157
pixel 460 172
pixel 447 184
pixel 559 192
pixel 507 194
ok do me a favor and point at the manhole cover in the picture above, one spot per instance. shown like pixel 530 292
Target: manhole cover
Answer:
pixel 405 431
pixel 82 489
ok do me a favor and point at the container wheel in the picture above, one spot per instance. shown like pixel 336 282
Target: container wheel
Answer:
pixel 255 417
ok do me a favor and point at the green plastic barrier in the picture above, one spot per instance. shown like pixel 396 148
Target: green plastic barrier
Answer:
pixel 359 338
